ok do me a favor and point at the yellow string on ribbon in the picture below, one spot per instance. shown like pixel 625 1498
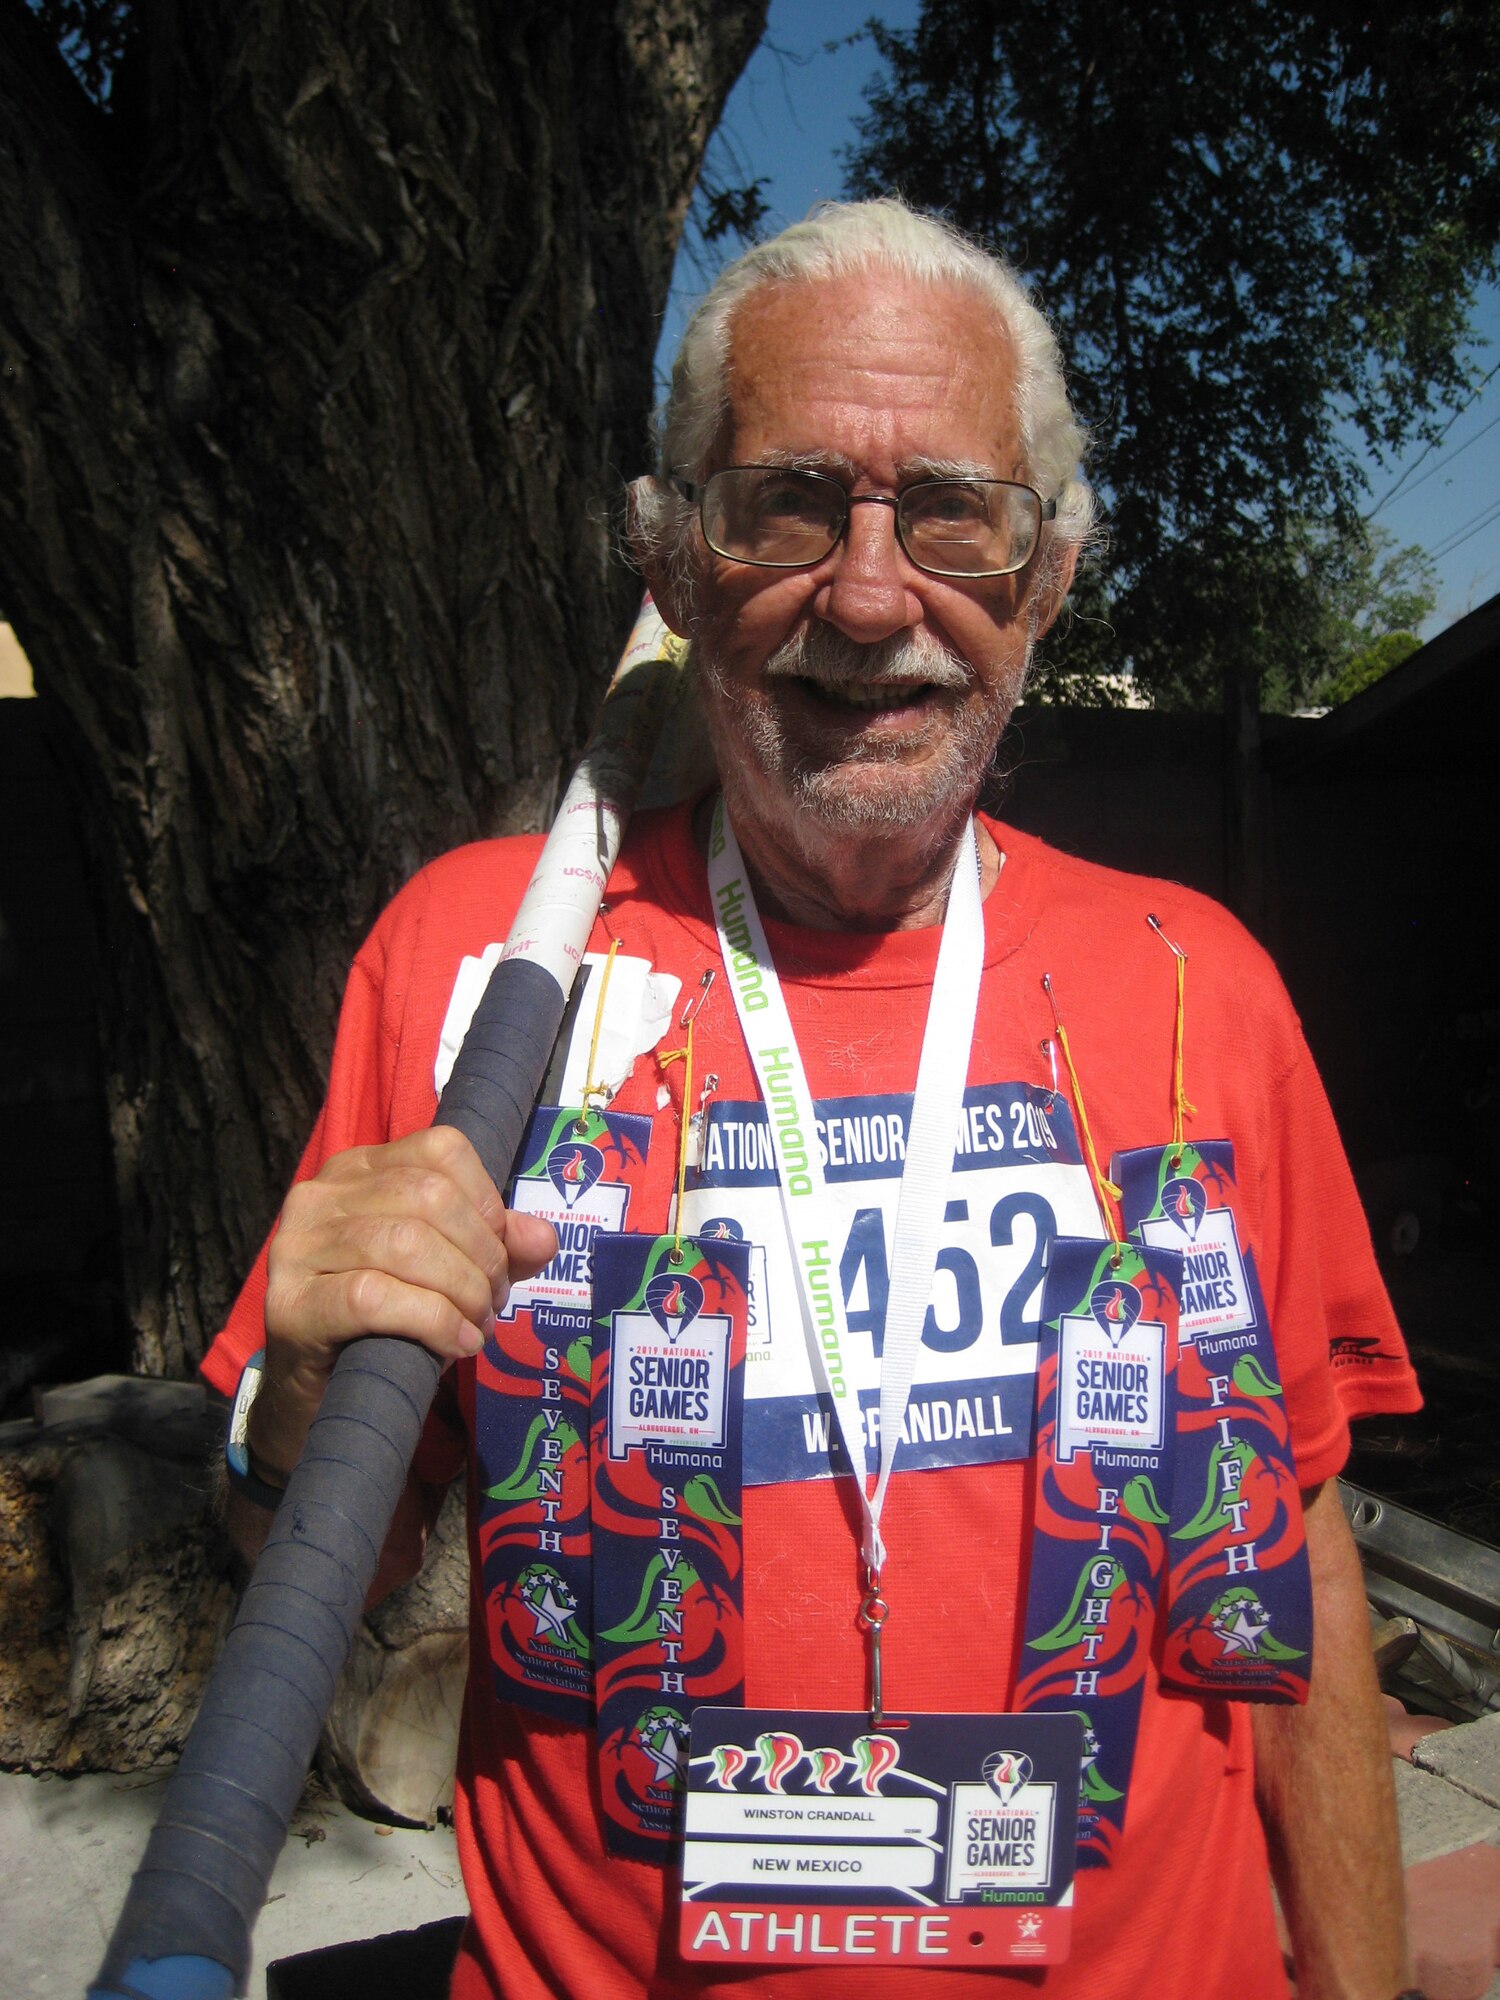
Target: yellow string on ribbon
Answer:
pixel 1180 1105
pixel 593 1088
pixel 683 1055
pixel 1104 1188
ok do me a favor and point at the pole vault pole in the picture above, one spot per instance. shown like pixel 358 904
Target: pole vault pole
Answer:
pixel 184 1933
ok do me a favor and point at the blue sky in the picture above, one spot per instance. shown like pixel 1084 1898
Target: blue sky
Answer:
pixel 794 108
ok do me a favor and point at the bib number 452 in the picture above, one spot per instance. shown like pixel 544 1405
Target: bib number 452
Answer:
pixel 973 1278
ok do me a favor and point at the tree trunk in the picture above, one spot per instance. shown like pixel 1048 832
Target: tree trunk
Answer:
pixel 115 1577
pixel 390 1741
pixel 322 353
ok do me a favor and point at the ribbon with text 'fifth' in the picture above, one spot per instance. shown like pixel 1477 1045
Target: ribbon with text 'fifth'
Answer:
pixel 1239 1596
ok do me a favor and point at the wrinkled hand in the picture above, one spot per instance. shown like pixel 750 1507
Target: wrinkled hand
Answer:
pixel 410 1238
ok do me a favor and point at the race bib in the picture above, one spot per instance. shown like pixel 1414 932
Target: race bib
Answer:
pixel 1018 1181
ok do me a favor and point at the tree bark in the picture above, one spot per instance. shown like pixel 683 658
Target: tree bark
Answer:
pixel 116 1584
pixel 321 356
pixel 390 1741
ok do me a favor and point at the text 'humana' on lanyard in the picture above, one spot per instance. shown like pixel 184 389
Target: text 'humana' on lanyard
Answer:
pixel 807 1203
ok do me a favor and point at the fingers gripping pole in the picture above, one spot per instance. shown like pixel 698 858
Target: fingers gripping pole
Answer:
pixel 184 1933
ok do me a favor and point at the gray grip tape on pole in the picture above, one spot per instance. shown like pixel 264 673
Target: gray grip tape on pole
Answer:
pixel 185 1928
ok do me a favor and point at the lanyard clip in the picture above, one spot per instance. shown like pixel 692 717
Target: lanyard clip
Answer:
pixel 873 1612
pixel 691 1009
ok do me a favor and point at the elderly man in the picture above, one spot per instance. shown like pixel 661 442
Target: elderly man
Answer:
pixel 867 510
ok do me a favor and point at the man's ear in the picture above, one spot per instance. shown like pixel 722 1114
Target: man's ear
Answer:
pixel 1052 587
pixel 664 580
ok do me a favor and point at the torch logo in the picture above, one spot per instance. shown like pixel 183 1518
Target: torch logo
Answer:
pixel 1185 1203
pixel 674 1301
pixel 1116 1307
pixel 573 1167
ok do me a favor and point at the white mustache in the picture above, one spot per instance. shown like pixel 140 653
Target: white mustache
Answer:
pixel 822 654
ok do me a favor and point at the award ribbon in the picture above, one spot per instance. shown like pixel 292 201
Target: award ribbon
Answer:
pixel 1240 1619
pixel 1106 1420
pixel 668 1385
pixel 1240 1598
pixel 532 1417
pixel 1103 1470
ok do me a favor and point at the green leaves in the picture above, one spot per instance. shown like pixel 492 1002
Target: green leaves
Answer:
pixel 94 37
pixel 1069 1628
pixel 1254 227
pixel 523 1481
pixel 1218 1492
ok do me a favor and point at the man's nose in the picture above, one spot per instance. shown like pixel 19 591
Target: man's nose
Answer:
pixel 866 596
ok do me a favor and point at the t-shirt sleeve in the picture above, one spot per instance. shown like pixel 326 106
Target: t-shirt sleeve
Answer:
pixel 1341 1352
pixel 356 1112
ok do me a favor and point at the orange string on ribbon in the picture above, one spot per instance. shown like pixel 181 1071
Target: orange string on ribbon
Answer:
pixel 1180 1106
pixel 1104 1188
pixel 684 1055
pixel 593 1088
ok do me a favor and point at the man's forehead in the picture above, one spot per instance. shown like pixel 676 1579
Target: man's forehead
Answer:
pixel 826 371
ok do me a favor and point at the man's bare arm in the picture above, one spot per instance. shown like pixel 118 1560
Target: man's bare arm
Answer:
pixel 1326 1792
pixel 409 1238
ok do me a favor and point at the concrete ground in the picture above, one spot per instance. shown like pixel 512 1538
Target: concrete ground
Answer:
pixel 1448 1799
pixel 68 1847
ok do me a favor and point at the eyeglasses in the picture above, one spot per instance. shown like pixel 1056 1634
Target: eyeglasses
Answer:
pixel 780 518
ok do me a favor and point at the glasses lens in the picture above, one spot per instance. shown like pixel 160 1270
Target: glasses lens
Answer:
pixel 762 514
pixel 969 527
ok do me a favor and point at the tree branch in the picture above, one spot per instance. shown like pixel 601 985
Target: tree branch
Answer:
pixel 65 307
pixel 690 57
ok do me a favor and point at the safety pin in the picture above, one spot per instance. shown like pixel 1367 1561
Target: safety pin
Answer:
pixel 690 1011
pixel 698 1121
pixel 1049 1049
pixel 1175 949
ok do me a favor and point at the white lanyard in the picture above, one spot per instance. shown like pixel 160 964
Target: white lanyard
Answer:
pixel 807 1204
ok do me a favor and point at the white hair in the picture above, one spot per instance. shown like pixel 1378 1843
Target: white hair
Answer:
pixel 840 239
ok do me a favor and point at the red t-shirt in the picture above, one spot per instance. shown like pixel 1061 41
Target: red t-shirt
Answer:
pixel 1186 1912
